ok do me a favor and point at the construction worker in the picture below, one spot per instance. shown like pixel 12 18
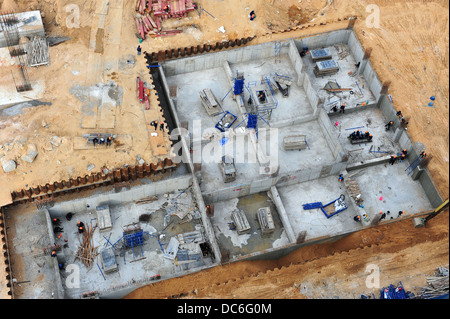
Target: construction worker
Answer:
pixel 352 136
pixel 252 15
pixel 393 159
pixel 59 236
pixel 358 134
pixel 370 137
pixel 167 8
pixel 58 230
pixel 357 218
pixel 366 134
pixel 80 229
pixel 399 114
pixel 80 224
pixel 108 141
pixel 56 221
pixel 400 213
pixel 404 123
pixel 388 125
pixel 383 216
pixel 423 154
pixel 342 108
pixel 139 49
pixel 261 97
pixel 341 178
pixel 161 127
pixel 53 254
pixel 102 141
pixel 95 141
pixel 405 152
pixel 334 108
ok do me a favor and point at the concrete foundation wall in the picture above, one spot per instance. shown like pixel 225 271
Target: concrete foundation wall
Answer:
pixel 372 79
pixel 277 253
pixel 125 195
pixel 404 140
pixel 217 59
pixel 355 46
pixel 323 40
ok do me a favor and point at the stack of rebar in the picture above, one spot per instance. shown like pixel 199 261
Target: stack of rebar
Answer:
pixel 37 52
pixel 87 251
pixel 437 285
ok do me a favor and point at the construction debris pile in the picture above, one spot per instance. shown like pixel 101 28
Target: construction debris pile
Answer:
pixel 87 251
pixel 151 13
pixel 437 285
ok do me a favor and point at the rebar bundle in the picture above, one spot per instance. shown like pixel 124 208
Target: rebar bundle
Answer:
pixel 87 251
pixel 37 52
pixel 437 285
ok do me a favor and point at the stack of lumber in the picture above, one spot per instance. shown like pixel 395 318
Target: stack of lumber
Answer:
pixel 87 251
pixel 353 189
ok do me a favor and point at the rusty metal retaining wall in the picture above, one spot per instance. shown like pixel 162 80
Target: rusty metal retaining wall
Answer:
pixel 176 53
pixel 5 258
pixel 92 181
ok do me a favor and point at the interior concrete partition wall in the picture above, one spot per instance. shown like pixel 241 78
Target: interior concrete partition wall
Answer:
pixel 327 130
pixel 265 183
pixel 186 159
pixel 55 263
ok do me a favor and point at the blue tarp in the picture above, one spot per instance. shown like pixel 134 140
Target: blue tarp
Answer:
pixel 394 292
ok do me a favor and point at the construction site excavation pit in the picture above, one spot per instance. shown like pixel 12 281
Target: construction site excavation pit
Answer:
pixel 295 178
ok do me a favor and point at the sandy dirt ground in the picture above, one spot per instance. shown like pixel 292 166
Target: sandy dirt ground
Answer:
pixel 410 50
pixel 340 269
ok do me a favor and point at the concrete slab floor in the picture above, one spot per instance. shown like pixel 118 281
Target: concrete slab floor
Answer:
pixel 371 120
pixel 314 221
pixel 28 235
pixel 388 187
pixel 294 106
pixel 131 267
pixel 187 99
pixel 234 245
pixel 316 154
pixel 361 91
pixel 246 163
